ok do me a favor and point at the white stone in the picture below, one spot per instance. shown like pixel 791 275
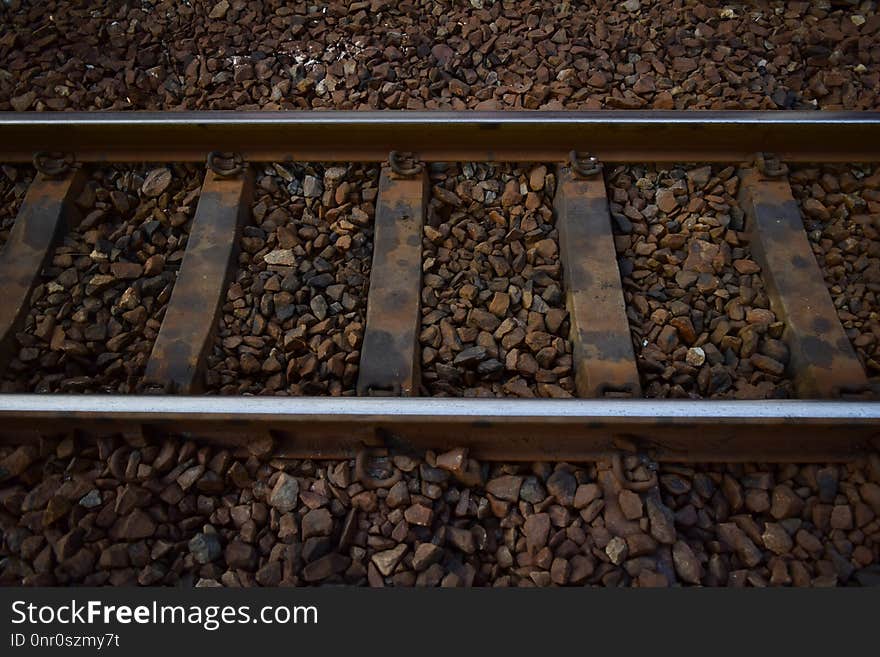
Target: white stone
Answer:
pixel 312 187
pixel 282 257
pixel 695 357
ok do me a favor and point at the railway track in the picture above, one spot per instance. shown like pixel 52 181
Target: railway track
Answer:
pixel 801 346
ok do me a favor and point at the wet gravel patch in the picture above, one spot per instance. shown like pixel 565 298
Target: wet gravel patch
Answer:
pixel 294 316
pixel 97 311
pixel 840 206
pixel 699 315
pixel 494 321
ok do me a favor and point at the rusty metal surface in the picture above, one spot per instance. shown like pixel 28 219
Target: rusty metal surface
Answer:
pixel 531 429
pixel 47 212
pixel 823 361
pixel 604 362
pixel 493 429
pixel 184 339
pixel 610 135
pixel 390 356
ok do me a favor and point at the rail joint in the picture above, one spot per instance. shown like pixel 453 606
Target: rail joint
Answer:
pixel 404 165
pixel 53 164
pixel 769 165
pixel 225 165
pixel 584 165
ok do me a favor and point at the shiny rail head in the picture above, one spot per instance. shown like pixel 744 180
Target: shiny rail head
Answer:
pixel 455 410
pixel 519 136
pixel 491 429
pixel 486 119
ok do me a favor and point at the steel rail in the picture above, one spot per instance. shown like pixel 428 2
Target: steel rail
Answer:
pixel 610 135
pixel 459 410
pixel 501 429
pixel 493 428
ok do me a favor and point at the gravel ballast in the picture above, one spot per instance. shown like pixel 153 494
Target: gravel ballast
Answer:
pixel 841 207
pixel 173 512
pixel 181 513
pixel 483 54
pixel 699 315
pixel 14 182
pixel 494 321
pixel 294 316
pixel 95 315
